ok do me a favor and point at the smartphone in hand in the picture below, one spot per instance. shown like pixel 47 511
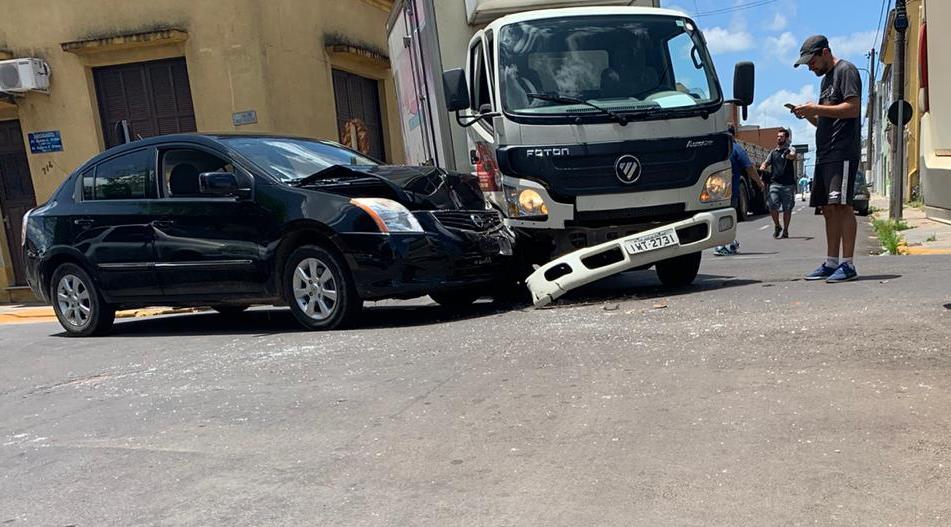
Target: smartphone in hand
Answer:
pixel 790 106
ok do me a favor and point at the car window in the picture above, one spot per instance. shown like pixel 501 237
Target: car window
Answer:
pixel 123 177
pixel 181 167
pixel 290 159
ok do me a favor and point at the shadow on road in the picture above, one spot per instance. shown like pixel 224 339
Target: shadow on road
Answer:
pixel 641 285
pixel 272 320
pixel 871 277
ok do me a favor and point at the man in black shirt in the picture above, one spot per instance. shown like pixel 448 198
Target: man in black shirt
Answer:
pixel 782 182
pixel 838 150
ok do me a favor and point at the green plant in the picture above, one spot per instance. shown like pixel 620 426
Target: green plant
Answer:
pixel 932 238
pixel 915 204
pixel 901 225
pixel 872 209
pixel 887 232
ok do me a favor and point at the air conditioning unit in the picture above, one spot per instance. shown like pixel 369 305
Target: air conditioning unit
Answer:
pixel 23 75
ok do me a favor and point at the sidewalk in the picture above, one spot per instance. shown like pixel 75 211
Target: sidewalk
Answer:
pixel 926 236
pixel 32 313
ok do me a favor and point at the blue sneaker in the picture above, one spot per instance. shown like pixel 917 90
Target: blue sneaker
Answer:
pixel 844 273
pixel 823 272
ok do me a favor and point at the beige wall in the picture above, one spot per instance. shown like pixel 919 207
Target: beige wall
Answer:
pixel 268 56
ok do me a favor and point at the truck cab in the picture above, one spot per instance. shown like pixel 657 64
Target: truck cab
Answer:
pixel 589 124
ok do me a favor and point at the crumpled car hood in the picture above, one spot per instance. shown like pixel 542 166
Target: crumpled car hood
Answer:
pixel 415 187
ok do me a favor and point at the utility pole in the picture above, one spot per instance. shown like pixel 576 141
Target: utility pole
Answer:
pixel 898 177
pixel 871 114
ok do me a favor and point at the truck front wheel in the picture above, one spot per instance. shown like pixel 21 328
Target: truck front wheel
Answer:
pixel 679 271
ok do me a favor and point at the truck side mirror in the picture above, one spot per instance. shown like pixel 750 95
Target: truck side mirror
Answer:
pixel 743 84
pixel 456 89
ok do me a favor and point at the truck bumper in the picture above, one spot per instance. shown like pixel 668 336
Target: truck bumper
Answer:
pixel 702 231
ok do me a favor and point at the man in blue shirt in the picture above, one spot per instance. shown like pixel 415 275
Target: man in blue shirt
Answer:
pixel 740 162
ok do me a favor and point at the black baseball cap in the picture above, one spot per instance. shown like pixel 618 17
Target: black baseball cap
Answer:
pixel 813 45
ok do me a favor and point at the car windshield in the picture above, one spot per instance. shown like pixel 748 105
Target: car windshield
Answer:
pixel 293 159
pixel 621 63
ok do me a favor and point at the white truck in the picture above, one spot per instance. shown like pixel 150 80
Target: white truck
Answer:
pixel 599 132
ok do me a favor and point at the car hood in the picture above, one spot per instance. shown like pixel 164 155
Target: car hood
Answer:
pixel 415 187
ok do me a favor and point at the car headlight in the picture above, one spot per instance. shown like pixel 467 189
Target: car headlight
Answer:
pixel 389 215
pixel 718 187
pixel 525 202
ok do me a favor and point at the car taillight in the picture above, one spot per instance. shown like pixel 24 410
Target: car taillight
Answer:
pixel 486 168
pixel 26 218
pixel 923 97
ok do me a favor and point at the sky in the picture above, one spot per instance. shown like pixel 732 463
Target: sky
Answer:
pixel 769 33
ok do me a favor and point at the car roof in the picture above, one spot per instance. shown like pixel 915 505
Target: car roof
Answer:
pixel 211 139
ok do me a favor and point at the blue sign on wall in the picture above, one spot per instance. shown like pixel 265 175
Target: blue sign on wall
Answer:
pixel 45 142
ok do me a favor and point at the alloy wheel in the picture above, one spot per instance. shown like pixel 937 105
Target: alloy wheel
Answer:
pixel 74 301
pixel 315 289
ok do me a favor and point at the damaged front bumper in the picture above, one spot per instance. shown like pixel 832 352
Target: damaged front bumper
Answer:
pixel 702 231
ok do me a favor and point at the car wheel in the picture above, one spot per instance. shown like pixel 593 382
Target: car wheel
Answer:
pixel 679 271
pixel 319 289
pixel 78 304
pixel 230 310
pixel 458 298
pixel 743 202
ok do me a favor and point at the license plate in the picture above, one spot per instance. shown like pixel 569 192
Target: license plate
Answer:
pixel 651 242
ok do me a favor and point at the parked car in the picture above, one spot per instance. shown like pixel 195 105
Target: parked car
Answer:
pixel 862 195
pixel 234 220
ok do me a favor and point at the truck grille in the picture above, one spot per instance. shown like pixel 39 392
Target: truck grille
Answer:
pixel 469 220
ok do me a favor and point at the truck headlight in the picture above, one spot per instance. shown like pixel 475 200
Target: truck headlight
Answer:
pixel 718 187
pixel 26 219
pixel 388 215
pixel 525 202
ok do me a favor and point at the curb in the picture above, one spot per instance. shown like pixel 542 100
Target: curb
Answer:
pixel 46 314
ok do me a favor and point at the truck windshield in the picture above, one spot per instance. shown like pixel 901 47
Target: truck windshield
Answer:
pixel 625 63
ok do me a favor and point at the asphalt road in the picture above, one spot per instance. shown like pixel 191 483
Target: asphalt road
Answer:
pixel 753 398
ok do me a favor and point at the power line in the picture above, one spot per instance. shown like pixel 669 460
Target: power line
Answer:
pixel 881 15
pixel 740 7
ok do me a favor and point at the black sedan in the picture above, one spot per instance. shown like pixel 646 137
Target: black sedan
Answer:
pixel 235 220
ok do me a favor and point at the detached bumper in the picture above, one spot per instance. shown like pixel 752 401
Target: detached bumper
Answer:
pixel 702 231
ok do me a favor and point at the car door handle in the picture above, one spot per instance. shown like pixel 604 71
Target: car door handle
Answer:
pixel 84 223
pixel 163 224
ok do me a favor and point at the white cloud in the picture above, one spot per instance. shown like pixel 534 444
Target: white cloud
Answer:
pixel 779 23
pixel 856 44
pixel 721 40
pixel 784 48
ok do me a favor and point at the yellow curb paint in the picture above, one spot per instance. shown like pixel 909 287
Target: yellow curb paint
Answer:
pixel 923 250
pixel 41 314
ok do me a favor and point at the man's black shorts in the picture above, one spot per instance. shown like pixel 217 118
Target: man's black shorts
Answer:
pixel 834 183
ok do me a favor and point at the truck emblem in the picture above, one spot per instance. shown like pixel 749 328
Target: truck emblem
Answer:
pixel 628 169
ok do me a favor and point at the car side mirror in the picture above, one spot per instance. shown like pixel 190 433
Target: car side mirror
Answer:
pixel 218 183
pixel 743 84
pixel 456 89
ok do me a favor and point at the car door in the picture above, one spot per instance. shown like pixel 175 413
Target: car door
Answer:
pixel 207 246
pixel 112 227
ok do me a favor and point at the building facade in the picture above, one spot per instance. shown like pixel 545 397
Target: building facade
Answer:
pixel 314 68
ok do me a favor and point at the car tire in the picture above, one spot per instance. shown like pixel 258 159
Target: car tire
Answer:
pixel 679 271
pixel 743 202
pixel 458 298
pixel 78 305
pixel 319 289
pixel 230 310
